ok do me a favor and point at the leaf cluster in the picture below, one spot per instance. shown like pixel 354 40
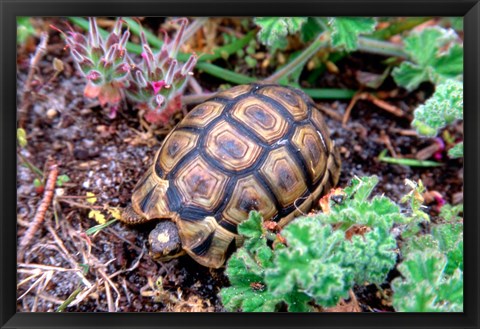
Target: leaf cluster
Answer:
pixel 434 56
pixel 432 269
pixel 344 31
pixel 320 260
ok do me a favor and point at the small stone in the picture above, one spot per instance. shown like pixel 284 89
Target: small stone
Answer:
pixel 51 113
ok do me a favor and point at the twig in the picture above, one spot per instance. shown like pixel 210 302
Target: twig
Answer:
pixel 79 205
pixel 193 27
pixel 193 83
pixel 196 99
pixel 375 100
pixel 42 209
pixel 328 111
pixel 27 95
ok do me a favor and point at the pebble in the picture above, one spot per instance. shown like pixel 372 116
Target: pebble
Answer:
pixel 52 113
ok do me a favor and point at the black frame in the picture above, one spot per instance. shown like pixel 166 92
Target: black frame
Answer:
pixel 9 9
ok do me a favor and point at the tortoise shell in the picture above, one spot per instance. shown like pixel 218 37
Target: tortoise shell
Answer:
pixel 253 147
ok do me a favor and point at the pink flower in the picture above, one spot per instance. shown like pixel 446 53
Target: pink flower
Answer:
pixel 441 148
pixel 157 86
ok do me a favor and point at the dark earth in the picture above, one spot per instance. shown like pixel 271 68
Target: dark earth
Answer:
pixel 107 156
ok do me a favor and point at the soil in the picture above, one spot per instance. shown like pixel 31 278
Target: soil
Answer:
pixel 107 156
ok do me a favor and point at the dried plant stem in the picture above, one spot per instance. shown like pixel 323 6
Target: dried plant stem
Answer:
pixel 42 209
pixel 196 99
pixel 27 95
pixel 193 27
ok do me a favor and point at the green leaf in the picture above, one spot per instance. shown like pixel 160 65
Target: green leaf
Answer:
pixel 345 30
pixel 449 64
pixel 309 263
pixel 252 227
pixel 452 213
pixel 434 56
pixel 409 75
pixel 424 287
pixel 450 238
pixel 370 256
pixel 97 228
pixel 274 30
pixel 310 29
pixel 443 108
pixel 245 298
pixel 456 151
pixel 245 271
pixel 62 179
pixel 423 46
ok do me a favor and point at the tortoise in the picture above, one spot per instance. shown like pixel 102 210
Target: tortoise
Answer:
pixel 258 147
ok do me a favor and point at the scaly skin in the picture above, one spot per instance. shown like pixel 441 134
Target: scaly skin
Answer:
pixel 129 216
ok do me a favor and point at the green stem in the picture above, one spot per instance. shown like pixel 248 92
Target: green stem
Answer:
pixel 381 47
pixel 224 74
pixel 329 93
pixel 37 172
pixel 398 27
pixel 321 42
pixel 70 299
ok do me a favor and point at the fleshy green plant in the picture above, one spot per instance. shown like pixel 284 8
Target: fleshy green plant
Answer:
pixel 154 85
pixel 321 256
pixel 440 110
pixel 435 55
pixel 432 270
pixel 103 61
pixel 157 82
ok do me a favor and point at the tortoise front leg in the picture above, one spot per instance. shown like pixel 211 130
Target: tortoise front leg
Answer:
pixel 129 216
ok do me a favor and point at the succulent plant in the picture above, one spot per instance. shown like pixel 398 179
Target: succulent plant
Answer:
pixel 102 61
pixel 157 81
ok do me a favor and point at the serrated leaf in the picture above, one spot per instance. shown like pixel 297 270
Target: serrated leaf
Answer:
pixel 456 151
pixel 409 75
pixel 443 108
pixel 370 256
pixel 449 64
pixel 309 263
pixel 424 287
pixel 364 187
pixel 273 30
pixel 345 30
pixel 245 298
pixel 423 46
pixel 252 227
pixel 433 57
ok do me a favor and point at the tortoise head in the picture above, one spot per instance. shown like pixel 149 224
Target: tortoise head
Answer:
pixel 165 242
pixel 149 200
